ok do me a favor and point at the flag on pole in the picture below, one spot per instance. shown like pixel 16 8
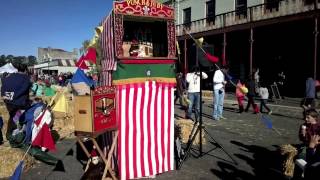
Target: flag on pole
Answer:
pixel 61 105
pixel 17 172
pixel 44 138
pixel 199 42
pixel 81 83
pixel 81 63
pixel 212 58
pixel 41 135
pixel 91 55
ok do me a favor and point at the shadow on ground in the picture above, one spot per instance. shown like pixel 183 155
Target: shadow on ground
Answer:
pixel 265 164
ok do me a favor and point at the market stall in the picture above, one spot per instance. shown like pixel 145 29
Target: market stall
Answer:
pixel 138 49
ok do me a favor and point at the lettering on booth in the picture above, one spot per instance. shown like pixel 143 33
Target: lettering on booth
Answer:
pixel 150 3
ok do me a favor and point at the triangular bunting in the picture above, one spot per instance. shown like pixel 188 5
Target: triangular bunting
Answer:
pixel 61 104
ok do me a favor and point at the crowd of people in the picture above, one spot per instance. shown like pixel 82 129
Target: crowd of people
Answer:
pixel 253 89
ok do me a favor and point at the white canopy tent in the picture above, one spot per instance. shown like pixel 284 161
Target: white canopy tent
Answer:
pixel 8 68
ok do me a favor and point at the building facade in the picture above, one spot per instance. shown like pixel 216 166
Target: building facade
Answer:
pixel 274 36
pixel 53 60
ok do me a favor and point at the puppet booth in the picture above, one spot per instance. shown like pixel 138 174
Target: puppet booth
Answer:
pixel 135 102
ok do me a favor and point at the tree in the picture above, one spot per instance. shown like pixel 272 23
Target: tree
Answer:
pixel 2 60
pixel 9 58
pixel 32 60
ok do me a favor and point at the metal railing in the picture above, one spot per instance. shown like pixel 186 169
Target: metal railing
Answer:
pixel 254 13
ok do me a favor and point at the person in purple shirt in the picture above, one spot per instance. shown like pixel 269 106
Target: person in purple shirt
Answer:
pixel 15 93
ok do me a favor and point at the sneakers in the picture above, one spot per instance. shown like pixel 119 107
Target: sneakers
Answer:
pixel 216 119
pixel 270 112
pixel 221 117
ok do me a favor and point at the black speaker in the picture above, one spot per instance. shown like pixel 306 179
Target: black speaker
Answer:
pixel 203 61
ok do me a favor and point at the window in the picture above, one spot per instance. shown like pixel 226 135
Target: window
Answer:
pixel 211 10
pixel 140 39
pixel 187 15
pixel 272 5
pixel 241 8
pixel 309 2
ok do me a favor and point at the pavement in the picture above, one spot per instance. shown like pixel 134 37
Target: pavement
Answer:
pixel 246 138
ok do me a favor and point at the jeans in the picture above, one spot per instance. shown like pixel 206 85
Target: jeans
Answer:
pixel 194 101
pixel 263 103
pixel 218 103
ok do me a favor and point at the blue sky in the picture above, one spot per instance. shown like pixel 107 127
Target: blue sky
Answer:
pixel 65 24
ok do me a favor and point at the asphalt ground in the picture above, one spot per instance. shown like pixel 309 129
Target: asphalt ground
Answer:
pixel 246 138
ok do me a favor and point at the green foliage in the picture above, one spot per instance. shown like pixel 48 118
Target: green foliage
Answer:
pixel 29 61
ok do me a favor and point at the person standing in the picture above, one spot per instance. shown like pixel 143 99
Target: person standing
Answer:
pixel 219 83
pixel 193 80
pixel 310 93
pixel 264 95
pixel 251 94
pixel 15 92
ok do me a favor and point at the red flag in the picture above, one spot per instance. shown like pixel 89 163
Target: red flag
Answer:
pixel 81 63
pixel 44 138
pixel 91 55
pixel 212 58
pixel 39 119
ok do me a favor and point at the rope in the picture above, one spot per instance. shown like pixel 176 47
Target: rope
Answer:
pixel 206 53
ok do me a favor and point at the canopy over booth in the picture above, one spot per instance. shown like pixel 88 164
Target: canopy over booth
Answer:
pixel 8 68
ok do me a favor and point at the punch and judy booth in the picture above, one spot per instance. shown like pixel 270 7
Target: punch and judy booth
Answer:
pixel 138 49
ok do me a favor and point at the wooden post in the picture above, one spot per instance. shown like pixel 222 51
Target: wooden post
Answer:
pixel 316 32
pixel 185 56
pixel 251 50
pixel 224 45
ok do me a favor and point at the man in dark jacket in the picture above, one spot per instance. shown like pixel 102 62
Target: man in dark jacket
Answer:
pixel 251 94
pixel 15 93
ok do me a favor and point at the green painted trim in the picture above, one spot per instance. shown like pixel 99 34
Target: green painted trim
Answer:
pixel 144 71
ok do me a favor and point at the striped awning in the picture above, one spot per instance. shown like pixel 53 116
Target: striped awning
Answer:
pixel 66 62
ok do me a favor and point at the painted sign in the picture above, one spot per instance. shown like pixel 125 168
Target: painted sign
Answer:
pixel 150 8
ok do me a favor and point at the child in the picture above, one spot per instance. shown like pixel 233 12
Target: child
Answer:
pixel 264 94
pixel 38 88
pixel 241 90
pixel 310 126
pixel 307 131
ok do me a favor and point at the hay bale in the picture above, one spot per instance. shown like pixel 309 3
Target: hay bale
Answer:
pixel 288 165
pixel 186 126
pixel 10 157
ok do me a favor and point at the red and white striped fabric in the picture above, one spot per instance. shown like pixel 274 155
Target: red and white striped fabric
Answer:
pixel 146 129
pixel 107 46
